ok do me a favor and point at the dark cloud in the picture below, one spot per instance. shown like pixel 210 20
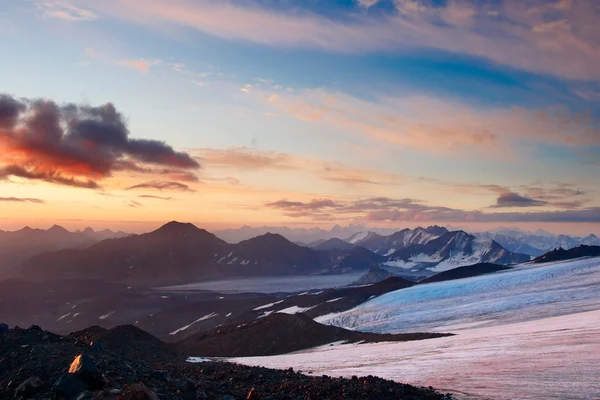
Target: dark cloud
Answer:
pixel 22 200
pixel 51 176
pixel 134 204
pixel 512 199
pixel 75 145
pixel 300 207
pixel 162 185
pixel 382 209
pixel 149 196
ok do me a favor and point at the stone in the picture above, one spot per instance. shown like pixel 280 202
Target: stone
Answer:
pixel 85 395
pixel 138 391
pixel 29 387
pixel 69 386
pixel 97 346
pixel 84 368
pixel 187 386
pixel 162 375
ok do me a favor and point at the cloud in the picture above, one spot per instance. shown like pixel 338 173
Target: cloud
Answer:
pixel 64 10
pixel 245 158
pixel 141 65
pixel 451 127
pixel 538 35
pixel 298 206
pixel 22 200
pixel 149 196
pixel 383 209
pixel 162 185
pixel 512 199
pixel 75 145
pixel 134 204
pixel 51 176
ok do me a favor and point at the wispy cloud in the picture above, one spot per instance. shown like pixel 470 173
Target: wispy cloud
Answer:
pixel 382 209
pixel 162 185
pixel 540 36
pixel 245 158
pixel 149 196
pixel 22 200
pixel 437 125
pixel 64 10
pixel 141 65
pixel 511 199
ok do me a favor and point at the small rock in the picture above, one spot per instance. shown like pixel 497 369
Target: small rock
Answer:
pixel 97 346
pixel 45 338
pixel 34 328
pixel 69 386
pixel 252 395
pixel 138 391
pixel 85 395
pixel 29 387
pixel 161 375
pixel 84 368
pixel 187 386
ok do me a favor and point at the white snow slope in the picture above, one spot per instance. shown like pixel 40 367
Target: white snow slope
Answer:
pixel 528 333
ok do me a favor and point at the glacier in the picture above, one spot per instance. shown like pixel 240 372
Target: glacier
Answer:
pixel 532 332
pixel 526 292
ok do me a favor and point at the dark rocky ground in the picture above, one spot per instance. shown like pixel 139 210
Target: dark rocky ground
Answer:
pixel 127 363
pixel 279 334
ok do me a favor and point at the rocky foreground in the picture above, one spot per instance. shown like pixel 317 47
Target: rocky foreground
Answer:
pixel 127 363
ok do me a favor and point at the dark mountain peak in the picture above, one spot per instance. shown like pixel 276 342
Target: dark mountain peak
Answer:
pixel 436 230
pixel 57 229
pixel 26 229
pixel 561 254
pixel 88 231
pixel 267 240
pixel 177 228
pixel 334 244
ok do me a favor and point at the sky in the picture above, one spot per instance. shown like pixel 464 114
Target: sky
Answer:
pixel 387 113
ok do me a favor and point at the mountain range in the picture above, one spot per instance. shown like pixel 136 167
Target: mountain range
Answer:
pixel 179 253
pixel 18 246
pixel 537 243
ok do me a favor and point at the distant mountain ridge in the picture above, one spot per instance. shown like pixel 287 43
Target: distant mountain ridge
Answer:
pixel 17 246
pixel 537 243
pixel 178 253
pixel 181 253
pixel 561 254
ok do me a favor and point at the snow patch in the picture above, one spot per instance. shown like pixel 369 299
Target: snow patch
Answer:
pixel 107 315
pixel 183 328
pixel 267 305
pixel 295 310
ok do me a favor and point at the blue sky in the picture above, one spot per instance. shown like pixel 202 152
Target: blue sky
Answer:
pixel 448 103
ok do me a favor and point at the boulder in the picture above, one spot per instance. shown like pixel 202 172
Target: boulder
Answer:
pixel 29 387
pixel 84 368
pixel 69 386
